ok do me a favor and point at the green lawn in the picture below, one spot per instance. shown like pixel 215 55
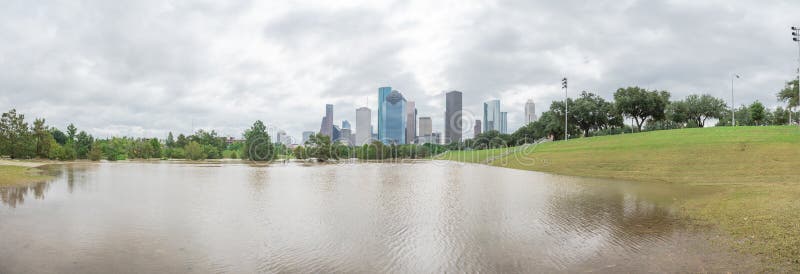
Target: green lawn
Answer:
pixel 16 175
pixel 756 171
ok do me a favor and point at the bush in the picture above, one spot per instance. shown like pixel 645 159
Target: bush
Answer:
pixel 95 153
pixel 194 151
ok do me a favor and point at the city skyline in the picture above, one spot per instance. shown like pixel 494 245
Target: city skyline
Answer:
pixel 223 65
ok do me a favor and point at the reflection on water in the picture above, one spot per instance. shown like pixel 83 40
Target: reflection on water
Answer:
pixel 370 217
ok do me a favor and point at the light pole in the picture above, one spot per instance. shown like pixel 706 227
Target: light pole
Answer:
pixel 733 106
pixel 566 108
pixel 796 39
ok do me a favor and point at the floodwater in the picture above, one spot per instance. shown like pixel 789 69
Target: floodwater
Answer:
pixel 417 217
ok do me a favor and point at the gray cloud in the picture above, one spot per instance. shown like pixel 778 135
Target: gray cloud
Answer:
pixel 148 67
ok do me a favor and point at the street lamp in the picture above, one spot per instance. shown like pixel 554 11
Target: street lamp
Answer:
pixel 566 108
pixel 796 39
pixel 733 106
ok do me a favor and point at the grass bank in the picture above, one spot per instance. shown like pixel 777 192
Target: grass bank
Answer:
pixel 755 171
pixel 19 173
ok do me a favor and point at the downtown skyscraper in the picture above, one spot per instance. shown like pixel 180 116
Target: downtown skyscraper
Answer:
pixel 382 93
pixel 491 116
pixel 393 120
pixel 530 111
pixel 327 122
pixel 452 116
pixel 411 122
pixel 363 126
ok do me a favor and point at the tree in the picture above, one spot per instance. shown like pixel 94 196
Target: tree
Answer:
pixel 71 131
pixel 170 143
pixel 15 138
pixel 319 146
pixel 299 152
pixel 95 154
pixel 182 141
pixel 700 108
pixel 789 94
pixel 43 138
pixel 156 147
pixel 60 137
pixel 194 151
pixel 641 104
pixel 591 112
pixel 83 144
pixel 757 114
pixel 257 144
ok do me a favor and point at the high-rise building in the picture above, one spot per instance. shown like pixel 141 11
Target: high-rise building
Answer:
pixel 336 134
pixel 363 126
pixel 491 115
pixel 452 117
pixel 530 112
pixel 382 93
pixel 280 136
pixel 393 121
pixel 503 122
pixel 411 122
pixel 477 129
pixel 345 136
pixel 327 122
pixel 425 130
pixel 345 124
pixel 306 136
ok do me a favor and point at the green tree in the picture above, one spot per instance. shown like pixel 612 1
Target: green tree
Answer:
pixel 757 113
pixel 592 112
pixel 170 143
pixel 789 94
pixel 182 141
pixel 257 144
pixel 71 132
pixel 319 146
pixel 83 144
pixel 60 137
pixel 194 151
pixel 156 148
pixel 15 138
pixel 95 154
pixel 641 104
pixel 701 107
pixel 299 152
pixel 43 138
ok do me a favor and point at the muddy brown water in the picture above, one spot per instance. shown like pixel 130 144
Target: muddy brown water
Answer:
pixel 417 217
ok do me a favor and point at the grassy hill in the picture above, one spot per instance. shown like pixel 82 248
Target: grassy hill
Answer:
pixel 755 171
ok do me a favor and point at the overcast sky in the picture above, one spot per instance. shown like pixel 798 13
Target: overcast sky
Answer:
pixel 143 68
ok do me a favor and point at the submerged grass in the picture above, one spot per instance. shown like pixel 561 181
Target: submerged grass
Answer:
pixel 754 170
pixel 20 175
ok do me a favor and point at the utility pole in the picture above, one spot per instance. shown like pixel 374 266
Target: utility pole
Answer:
pixel 796 39
pixel 733 106
pixel 566 108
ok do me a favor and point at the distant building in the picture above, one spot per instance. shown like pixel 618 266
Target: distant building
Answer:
pixel 503 122
pixel 394 119
pixel 491 115
pixel 452 116
pixel 411 122
pixel 280 136
pixel 436 138
pixel 327 122
pixel 345 136
pixel 363 126
pixel 382 93
pixel 306 136
pixel 337 133
pixel 345 124
pixel 425 130
pixel 530 112
pixel 477 129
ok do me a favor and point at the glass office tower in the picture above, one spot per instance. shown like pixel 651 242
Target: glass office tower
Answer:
pixel 394 119
pixel 491 115
pixel 382 93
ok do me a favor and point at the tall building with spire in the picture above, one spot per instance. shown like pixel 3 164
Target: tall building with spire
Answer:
pixel 327 122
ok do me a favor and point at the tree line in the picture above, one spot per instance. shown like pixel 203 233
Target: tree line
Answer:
pixel 591 115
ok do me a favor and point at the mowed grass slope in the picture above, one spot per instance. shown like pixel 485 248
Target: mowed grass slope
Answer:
pixel 755 171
